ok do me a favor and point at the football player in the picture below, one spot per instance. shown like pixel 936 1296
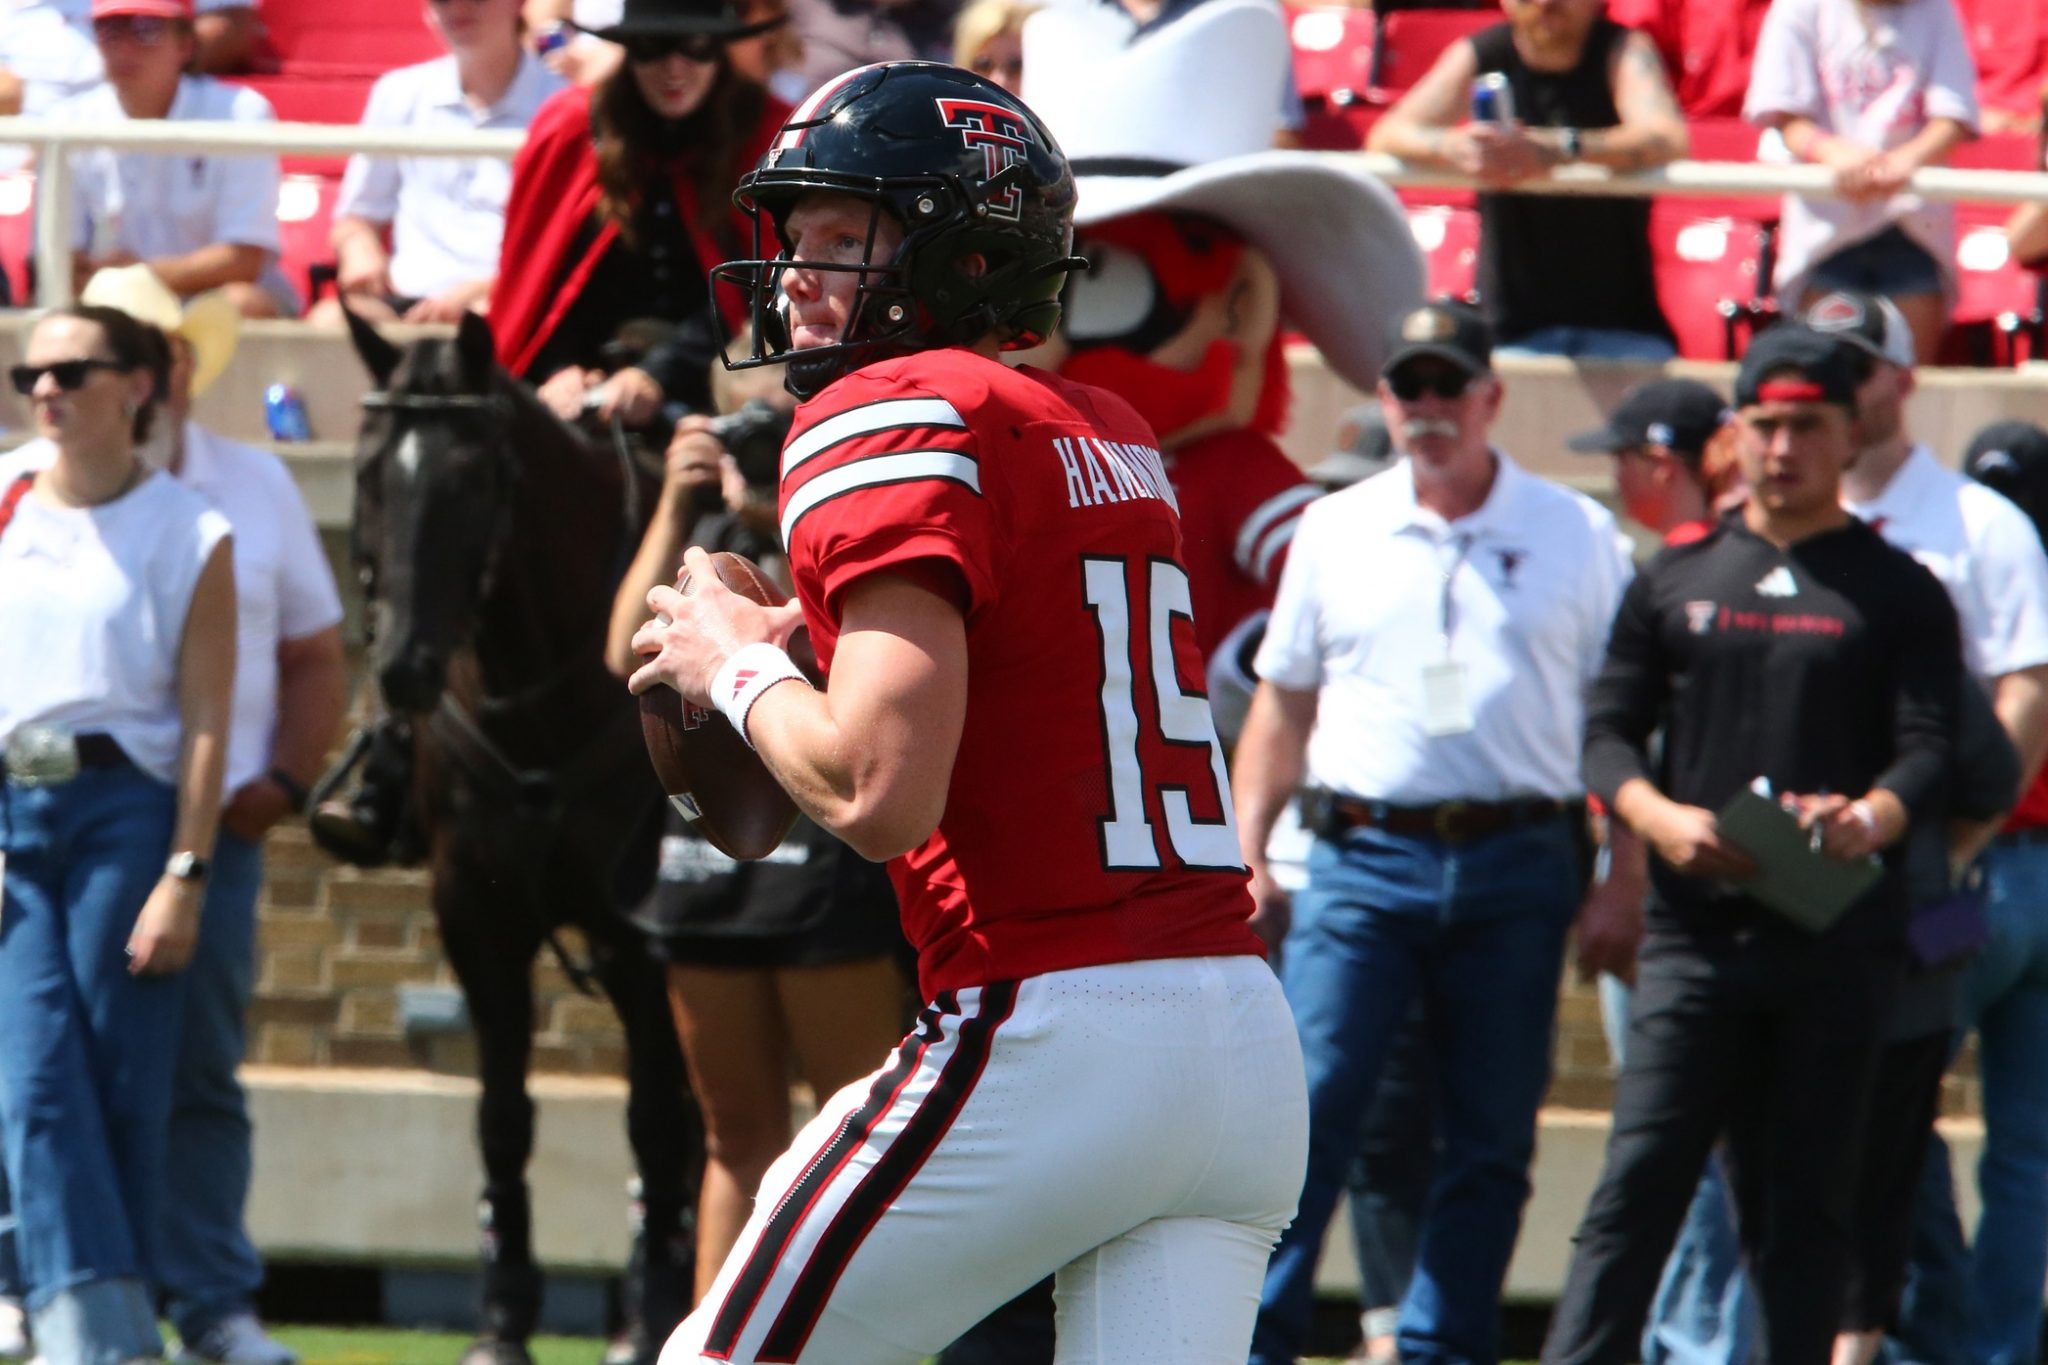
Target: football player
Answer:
pixel 1105 1083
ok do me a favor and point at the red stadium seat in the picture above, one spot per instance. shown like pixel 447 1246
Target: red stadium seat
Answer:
pixel 345 37
pixel 1410 41
pixel 1710 277
pixel 17 232
pixel 1998 152
pixel 305 214
pixel 1333 49
pixel 1449 239
pixel 1998 314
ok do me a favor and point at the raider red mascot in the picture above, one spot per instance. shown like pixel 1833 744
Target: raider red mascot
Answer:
pixel 1204 245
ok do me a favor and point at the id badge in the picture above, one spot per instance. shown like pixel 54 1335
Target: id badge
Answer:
pixel 1446 700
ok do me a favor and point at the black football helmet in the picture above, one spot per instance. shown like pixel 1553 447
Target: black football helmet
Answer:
pixel 963 167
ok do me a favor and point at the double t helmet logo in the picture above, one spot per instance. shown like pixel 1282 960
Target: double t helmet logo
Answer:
pixel 1001 137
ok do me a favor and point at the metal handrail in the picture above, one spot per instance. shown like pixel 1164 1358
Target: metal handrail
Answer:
pixel 51 139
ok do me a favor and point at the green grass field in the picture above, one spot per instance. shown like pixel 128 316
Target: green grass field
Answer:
pixel 369 1346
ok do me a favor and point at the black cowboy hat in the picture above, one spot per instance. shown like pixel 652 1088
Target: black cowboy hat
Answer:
pixel 677 18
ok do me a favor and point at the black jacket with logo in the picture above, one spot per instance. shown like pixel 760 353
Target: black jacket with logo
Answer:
pixel 1830 666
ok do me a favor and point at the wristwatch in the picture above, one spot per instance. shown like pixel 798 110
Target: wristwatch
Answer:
pixel 1569 140
pixel 188 867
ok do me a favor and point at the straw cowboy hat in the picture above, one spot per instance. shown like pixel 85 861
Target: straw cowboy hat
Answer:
pixel 1182 120
pixel 210 323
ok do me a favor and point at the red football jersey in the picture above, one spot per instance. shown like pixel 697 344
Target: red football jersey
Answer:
pixel 1089 818
pixel 1241 500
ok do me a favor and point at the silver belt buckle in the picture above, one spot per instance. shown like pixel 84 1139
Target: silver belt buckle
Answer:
pixel 42 755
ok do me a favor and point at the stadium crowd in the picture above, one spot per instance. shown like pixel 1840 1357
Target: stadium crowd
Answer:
pixel 1523 748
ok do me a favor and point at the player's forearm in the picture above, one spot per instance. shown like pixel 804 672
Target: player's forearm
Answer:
pixel 849 788
pixel 1269 764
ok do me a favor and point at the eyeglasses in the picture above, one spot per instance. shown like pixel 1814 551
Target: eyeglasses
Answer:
pixel 144 30
pixel 648 49
pixel 1410 385
pixel 69 374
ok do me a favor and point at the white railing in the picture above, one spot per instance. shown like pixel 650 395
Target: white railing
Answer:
pixel 53 197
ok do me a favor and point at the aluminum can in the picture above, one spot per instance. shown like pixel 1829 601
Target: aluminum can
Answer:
pixel 1493 99
pixel 552 39
pixel 285 413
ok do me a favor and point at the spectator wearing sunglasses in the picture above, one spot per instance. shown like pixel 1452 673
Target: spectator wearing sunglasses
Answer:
pixel 1436 719
pixel 445 215
pixel 621 203
pixel 199 220
pixel 118 582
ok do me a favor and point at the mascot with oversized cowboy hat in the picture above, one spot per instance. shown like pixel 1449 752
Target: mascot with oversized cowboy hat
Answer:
pixel 1204 245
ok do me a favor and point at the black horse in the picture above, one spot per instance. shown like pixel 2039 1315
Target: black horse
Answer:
pixel 491 537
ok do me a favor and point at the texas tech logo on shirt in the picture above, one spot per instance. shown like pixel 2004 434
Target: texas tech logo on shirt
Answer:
pixel 1002 139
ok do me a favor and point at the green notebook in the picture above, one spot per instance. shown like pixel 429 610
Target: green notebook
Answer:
pixel 1804 885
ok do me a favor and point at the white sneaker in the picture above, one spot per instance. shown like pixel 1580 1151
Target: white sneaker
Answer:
pixel 237 1340
pixel 13 1330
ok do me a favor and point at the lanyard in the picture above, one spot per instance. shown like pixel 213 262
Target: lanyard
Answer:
pixel 1448 613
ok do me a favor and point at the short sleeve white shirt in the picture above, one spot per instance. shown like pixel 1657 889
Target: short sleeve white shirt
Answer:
pixel 447 214
pixel 157 205
pixel 97 597
pixel 1875 74
pixel 1528 584
pixel 1984 551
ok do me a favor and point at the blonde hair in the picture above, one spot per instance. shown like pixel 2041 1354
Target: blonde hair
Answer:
pixel 983 21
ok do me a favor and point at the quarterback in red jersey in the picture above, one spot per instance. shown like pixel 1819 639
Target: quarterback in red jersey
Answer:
pixel 1106 1083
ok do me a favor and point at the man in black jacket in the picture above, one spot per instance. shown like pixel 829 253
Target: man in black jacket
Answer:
pixel 1790 644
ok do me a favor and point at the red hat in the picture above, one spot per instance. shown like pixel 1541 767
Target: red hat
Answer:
pixel 153 9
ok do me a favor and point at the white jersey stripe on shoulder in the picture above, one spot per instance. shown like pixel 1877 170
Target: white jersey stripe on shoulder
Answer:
pixel 1264 518
pixel 888 415
pixel 1275 543
pixel 910 466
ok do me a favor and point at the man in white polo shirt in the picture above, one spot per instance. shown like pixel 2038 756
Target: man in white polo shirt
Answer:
pixel 199 220
pixel 1425 668
pixel 446 215
pixel 1987 554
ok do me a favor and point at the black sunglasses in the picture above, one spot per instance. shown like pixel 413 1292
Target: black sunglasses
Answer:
pixel 69 374
pixel 1409 385
pixel 649 49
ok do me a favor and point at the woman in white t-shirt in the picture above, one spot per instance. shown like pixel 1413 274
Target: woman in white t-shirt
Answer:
pixel 117 624
pixel 1876 90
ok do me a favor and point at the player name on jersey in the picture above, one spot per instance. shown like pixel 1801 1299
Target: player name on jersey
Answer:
pixel 1101 472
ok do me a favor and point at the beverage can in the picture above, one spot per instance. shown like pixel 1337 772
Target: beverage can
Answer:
pixel 552 38
pixel 285 413
pixel 1493 99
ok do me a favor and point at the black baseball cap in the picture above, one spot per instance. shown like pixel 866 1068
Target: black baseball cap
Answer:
pixel 2012 457
pixel 1791 362
pixel 1682 414
pixel 1446 330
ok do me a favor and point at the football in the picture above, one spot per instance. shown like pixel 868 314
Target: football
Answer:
pixel 712 778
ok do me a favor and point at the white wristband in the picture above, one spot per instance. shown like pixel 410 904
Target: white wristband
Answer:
pixel 744 676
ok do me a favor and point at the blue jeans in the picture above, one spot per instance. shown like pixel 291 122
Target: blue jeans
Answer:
pixel 1705 1310
pixel 210 1269
pixel 2006 1001
pixel 1475 931
pixel 85 1076
pixel 1590 343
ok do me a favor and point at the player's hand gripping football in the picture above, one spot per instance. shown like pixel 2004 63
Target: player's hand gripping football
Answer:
pixel 694 632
